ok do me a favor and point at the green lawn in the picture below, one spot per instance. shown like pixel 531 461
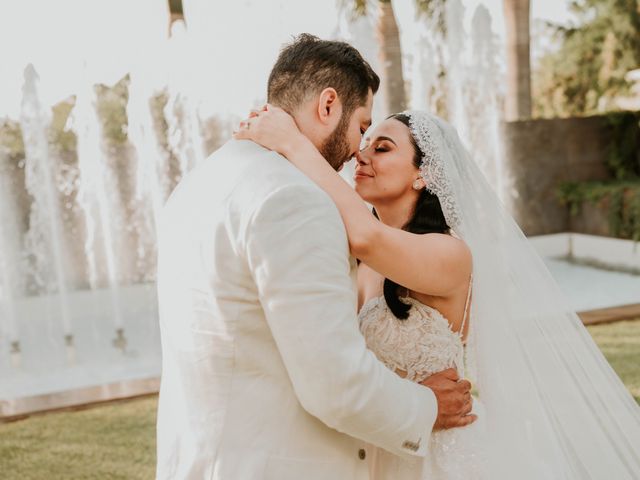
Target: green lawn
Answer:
pixel 117 441
pixel 108 442
pixel 620 343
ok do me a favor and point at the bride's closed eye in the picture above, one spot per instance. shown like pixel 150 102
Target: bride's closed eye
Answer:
pixel 381 147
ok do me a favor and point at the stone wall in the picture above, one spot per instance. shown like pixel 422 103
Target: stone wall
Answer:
pixel 541 154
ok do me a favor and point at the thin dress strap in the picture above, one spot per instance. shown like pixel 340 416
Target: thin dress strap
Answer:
pixel 466 305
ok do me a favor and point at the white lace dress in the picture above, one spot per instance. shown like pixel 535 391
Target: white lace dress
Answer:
pixel 422 345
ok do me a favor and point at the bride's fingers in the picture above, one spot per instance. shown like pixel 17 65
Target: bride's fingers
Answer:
pixel 256 112
pixel 260 123
pixel 243 131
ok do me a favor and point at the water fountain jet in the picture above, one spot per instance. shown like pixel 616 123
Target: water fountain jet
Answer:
pixel 44 238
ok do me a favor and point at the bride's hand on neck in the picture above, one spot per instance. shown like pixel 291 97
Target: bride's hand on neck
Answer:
pixel 274 129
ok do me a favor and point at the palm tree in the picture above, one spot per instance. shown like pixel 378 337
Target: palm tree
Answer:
pixel 175 8
pixel 391 57
pixel 518 100
pixel 390 52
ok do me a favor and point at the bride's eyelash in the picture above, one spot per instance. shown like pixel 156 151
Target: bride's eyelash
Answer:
pixel 381 149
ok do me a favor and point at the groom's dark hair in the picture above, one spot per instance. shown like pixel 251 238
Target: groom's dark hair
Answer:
pixel 308 65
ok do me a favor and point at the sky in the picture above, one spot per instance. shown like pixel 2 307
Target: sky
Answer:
pixel 72 41
pixel 228 53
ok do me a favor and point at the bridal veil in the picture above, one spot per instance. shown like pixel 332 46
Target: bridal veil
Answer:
pixel 555 408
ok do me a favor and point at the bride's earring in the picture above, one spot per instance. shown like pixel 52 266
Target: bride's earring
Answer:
pixel 416 185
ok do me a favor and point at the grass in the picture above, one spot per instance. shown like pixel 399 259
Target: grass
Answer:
pixel 108 442
pixel 620 343
pixel 117 441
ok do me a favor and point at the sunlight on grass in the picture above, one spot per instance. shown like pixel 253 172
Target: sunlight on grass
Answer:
pixel 620 343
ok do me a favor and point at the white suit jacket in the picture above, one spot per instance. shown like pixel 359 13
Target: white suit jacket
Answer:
pixel 265 374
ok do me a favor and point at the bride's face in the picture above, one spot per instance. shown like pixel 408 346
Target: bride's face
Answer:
pixel 385 169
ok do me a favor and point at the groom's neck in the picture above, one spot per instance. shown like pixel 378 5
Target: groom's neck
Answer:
pixel 309 127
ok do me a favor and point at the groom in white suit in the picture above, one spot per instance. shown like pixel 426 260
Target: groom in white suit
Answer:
pixel 265 374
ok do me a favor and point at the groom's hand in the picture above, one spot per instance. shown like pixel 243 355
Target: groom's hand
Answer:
pixel 454 399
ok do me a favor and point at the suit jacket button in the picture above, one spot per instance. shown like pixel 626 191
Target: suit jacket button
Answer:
pixel 362 454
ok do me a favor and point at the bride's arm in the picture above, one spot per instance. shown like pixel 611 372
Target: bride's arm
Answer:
pixel 390 251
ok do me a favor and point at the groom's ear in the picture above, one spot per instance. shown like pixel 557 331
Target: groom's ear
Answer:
pixel 329 107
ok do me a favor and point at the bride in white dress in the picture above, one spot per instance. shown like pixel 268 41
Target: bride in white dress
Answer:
pixel 444 266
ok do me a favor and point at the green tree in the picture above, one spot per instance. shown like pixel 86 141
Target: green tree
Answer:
pixel 587 72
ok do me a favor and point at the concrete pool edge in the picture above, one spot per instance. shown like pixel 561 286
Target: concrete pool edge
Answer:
pixel 606 251
pixel 610 315
pixel 19 408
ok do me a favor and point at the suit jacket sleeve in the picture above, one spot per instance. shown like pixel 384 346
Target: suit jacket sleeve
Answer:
pixel 297 251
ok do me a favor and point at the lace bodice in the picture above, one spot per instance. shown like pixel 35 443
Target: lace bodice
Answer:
pixel 421 345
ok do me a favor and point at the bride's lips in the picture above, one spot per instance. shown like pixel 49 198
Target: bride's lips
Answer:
pixel 361 176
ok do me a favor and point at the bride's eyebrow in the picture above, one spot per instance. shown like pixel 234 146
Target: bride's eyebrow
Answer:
pixel 386 138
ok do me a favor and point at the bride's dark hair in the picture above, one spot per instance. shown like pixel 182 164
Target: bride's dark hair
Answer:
pixel 427 218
